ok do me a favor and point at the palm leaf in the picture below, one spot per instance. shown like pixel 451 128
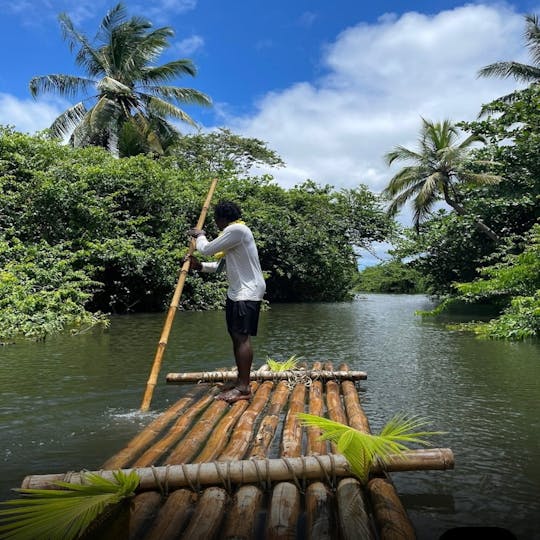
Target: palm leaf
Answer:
pixel 63 514
pixel 362 449
pixel 181 95
pixel 65 85
pixel 286 365
pixel 68 121
pixel 163 108
pixel 87 57
pixel 169 71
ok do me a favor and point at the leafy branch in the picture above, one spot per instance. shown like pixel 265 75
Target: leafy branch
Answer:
pixel 362 449
pixel 63 513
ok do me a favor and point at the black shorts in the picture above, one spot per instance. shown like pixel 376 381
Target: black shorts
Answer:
pixel 242 316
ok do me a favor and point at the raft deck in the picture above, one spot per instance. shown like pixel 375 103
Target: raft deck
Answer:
pixel 210 470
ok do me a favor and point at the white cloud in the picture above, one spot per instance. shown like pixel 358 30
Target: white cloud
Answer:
pixel 29 116
pixel 381 78
pixel 187 46
pixel 43 12
pixel 159 11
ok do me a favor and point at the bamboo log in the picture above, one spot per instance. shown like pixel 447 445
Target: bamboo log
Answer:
pixel 158 358
pixel 215 446
pixel 353 516
pixel 250 470
pixel 206 520
pixel 320 522
pixel 316 407
pixel 220 434
pixel 241 437
pixel 141 441
pixel 189 446
pixel 269 423
pixel 319 514
pixel 334 407
pixel 177 432
pixel 284 512
pixel 392 519
pixel 333 403
pixel 355 413
pixel 225 376
pixel 143 511
pixel 291 441
pixel 173 516
pixel 242 517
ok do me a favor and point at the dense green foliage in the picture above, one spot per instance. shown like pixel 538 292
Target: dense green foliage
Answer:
pixel 390 277
pixel 485 252
pixel 84 233
pixel 513 284
pixel 451 249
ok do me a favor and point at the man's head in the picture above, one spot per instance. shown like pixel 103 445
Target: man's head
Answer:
pixel 226 212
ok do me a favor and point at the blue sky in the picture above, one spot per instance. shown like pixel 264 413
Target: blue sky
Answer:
pixel 330 85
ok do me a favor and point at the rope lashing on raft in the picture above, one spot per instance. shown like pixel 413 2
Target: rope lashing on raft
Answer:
pixel 300 377
pixel 315 467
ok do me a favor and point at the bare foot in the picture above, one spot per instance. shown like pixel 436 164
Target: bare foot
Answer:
pixel 233 395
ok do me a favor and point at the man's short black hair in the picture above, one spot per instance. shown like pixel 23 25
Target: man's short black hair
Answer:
pixel 227 210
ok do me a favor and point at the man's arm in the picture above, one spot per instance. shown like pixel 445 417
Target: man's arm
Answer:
pixel 230 238
pixel 207 267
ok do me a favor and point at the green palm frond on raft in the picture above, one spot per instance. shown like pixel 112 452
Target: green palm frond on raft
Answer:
pixel 63 513
pixel 287 365
pixel 362 449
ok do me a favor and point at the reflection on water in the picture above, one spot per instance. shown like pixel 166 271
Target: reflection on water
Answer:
pixel 71 402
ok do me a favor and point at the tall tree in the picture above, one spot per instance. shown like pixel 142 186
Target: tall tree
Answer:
pixel 521 72
pixel 437 169
pixel 128 115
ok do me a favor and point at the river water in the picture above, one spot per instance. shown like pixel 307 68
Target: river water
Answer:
pixel 71 402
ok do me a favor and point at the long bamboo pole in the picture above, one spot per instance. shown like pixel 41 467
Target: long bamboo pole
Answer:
pixel 255 470
pixel 151 383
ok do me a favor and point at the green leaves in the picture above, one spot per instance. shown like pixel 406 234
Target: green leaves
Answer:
pixel 63 514
pixel 435 172
pixel 363 449
pixel 286 365
pixel 86 233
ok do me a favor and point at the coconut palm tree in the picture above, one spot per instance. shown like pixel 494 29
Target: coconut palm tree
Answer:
pixel 521 72
pixel 129 112
pixel 435 172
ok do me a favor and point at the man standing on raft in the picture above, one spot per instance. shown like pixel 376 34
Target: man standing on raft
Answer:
pixel 235 246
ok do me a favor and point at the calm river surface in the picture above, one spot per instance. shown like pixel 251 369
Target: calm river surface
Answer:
pixel 71 402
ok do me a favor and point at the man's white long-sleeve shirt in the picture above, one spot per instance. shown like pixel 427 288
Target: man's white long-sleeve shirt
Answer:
pixel 246 281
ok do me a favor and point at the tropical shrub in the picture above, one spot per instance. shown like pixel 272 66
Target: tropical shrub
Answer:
pixel 118 226
pixel 514 283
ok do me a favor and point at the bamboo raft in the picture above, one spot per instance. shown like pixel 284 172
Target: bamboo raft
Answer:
pixel 210 470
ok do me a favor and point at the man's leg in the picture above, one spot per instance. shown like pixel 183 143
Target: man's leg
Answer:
pixel 243 355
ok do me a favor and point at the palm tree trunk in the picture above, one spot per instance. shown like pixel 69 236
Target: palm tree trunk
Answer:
pixel 479 224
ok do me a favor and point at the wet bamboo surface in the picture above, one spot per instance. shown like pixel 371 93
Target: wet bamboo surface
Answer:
pixel 200 436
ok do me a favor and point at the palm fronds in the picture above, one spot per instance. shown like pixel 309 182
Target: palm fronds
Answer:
pixel 120 63
pixel 287 365
pixel 362 449
pixel 64 513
